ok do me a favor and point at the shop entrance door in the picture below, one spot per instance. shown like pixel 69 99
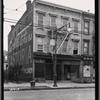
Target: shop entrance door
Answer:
pixel 39 70
pixel 67 72
pixel 49 71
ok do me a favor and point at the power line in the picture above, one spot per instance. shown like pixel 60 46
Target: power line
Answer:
pixel 21 5
pixel 44 26
pixel 14 9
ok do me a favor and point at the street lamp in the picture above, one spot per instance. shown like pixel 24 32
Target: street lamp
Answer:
pixel 56 49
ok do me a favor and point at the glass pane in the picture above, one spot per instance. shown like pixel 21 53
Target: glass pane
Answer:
pixel 40 23
pixel 75 29
pixel 39 40
pixel 40 17
pixel 75 45
pixel 40 47
pixel 86 30
pixel 75 24
pixel 85 44
pixel 86 24
pixel 85 50
pixel 53 20
pixel 64 21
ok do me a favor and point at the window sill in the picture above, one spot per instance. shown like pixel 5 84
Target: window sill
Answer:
pixel 75 33
pixel 40 28
pixel 86 33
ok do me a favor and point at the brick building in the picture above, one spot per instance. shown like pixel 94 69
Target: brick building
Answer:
pixel 29 42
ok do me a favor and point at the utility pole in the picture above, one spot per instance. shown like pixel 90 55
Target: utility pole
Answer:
pixel 56 50
pixel 55 62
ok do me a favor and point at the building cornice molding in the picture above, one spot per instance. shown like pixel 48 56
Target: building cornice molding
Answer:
pixel 40 35
pixel 40 12
pixel 64 17
pixel 74 19
pixel 53 15
pixel 75 40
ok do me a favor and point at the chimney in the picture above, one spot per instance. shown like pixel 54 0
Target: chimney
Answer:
pixel 28 4
pixel 12 26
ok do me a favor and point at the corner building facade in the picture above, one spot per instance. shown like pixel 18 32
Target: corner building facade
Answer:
pixel 29 43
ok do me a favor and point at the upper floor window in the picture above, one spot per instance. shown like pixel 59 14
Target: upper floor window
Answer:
pixel 86 27
pixel 53 21
pixel 40 20
pixel 76 26
pixel 86 47
pixel 64 23
pixel 39 43
pixel 75 50
pixel 64 47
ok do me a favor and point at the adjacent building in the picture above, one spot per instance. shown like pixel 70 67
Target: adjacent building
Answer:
pixel 5 64
pixel 29 42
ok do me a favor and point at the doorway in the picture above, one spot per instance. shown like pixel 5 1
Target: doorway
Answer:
pixel 67 72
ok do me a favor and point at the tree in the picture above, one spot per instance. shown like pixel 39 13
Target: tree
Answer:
pixel 15 71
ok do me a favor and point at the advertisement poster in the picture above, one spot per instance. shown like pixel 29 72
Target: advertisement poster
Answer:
pixel 86 71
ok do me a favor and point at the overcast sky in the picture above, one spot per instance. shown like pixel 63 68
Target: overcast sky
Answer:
pixel 13 9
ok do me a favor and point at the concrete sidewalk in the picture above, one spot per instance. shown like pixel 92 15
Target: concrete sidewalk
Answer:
pixel 46 85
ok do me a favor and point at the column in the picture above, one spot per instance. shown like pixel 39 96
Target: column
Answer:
pixel 62 71
pixel 91 70
pixel 33 69
pixel 81 71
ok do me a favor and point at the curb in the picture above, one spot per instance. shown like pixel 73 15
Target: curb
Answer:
pixel 42 88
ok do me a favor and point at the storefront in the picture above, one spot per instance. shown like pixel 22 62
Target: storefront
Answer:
pixel 87 69
pixel 68 67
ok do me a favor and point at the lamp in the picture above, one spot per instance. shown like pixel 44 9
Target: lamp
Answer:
pixel 57 49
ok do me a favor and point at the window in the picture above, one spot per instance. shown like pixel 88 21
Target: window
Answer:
pixel 53 21
pixel 76 26
pixel 75 51
pixel 64 47
pixel 39 44
pixel 86 27
pixel 86 47
pixel 64 23
pixel 40 20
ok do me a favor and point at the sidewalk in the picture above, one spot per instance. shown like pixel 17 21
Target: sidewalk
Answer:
pixel 46 85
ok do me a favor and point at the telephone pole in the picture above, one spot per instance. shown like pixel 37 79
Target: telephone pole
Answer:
pixel 56 50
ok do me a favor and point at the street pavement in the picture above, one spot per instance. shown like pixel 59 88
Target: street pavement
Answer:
pixel 46 85
pixel 53 94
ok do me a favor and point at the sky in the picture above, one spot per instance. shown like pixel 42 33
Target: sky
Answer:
pixel 14 9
